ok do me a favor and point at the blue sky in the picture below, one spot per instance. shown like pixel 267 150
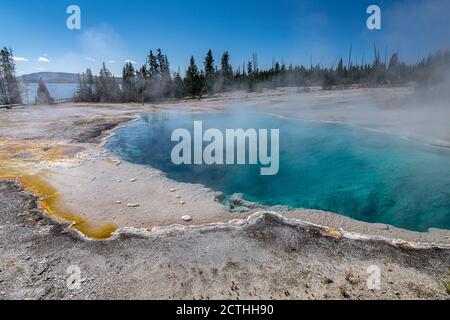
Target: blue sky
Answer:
pixel 289 30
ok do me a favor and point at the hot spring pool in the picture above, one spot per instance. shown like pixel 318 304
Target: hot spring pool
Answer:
pixel 364 175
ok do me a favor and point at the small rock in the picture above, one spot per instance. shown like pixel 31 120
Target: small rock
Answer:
pixel 118 202
pixel 178 197
pixel 133 180
pixel 182 202
pixel 173 190
pixel 186 218
pixel 119 181
pixel 133 205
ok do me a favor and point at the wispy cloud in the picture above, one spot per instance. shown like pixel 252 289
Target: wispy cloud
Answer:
pixel 43 59
pixel 20 59
pixel 90 59
pixel 101 41
pixel 111 61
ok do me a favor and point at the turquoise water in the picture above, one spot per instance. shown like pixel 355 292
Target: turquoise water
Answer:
pixel 364 175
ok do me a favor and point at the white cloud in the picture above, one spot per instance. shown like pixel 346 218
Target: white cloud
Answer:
pixel 111 61
pixel 130 61
pixel 20 59
pixel 90 59
pixel 42 59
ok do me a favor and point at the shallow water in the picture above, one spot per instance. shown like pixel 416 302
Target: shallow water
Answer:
pixel 364 175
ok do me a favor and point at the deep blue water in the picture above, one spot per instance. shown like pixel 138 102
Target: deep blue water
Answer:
pixel 364 175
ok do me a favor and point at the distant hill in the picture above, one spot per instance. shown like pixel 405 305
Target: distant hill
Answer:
pixel 52 77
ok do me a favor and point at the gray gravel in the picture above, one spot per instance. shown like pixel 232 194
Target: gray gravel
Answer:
pixel 267 260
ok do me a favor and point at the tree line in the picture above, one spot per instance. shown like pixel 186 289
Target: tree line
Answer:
pixel 155 82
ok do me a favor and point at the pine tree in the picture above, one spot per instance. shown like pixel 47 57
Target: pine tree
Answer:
pixel 86 87
pixel 226 71
pixel 89 80
pixel 209 64
pixel 165 78
pixel 153 67
pixel 154 85
pixel 340 72
pixel 178 86
pixel 394 69
pixel 209 73
pixel 10 92
pixel 329 80
pixel 142 81
pixel 106 86
pixel 251 78
pixel 192 79
pixel 255 63
pixel 3 94
pixel 129 91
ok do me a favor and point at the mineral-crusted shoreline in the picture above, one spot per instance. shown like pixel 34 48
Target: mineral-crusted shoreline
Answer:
pixel 267 259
